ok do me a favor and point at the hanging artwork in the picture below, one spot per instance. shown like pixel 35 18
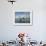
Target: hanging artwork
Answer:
pixel 23 17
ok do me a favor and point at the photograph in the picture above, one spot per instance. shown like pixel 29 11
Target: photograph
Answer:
pixel 22 17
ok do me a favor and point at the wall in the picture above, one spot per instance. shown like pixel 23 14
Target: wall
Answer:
pixel 9 31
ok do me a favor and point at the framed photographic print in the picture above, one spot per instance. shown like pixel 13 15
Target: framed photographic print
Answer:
pixel 23 17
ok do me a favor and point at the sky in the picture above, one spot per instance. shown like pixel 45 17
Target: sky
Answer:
pixel 22 13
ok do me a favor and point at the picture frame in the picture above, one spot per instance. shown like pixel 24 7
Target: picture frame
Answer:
pixel 23 18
